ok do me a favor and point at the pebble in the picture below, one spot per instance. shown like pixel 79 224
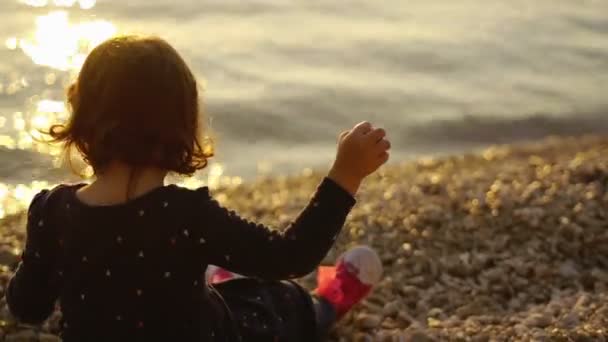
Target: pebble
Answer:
pixel 569 321
pixel 537 320
pixel 367 321
pixel 436 313
pixel 7 256
pixel 418 336
pixel 22 336
pixel 49 338
pixel 391 308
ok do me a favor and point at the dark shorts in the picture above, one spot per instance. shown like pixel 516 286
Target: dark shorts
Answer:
pixel 269 310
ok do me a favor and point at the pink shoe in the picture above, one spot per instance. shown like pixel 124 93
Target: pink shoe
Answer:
pixel 351 280
pixel 216 274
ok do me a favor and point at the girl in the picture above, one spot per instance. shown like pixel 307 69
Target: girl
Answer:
pixel 125 255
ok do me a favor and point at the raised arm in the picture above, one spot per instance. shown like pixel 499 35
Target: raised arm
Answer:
pixel 229 241
pixel 251 249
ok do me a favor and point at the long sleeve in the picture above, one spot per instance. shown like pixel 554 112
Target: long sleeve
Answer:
pixel 252 249
pixel 31 292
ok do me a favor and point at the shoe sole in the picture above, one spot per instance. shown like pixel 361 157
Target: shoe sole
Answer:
pixel 366 261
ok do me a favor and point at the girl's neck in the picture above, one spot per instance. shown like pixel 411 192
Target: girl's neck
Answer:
pixel 119 183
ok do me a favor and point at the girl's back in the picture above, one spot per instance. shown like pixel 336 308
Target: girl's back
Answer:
pixel 130 266
pixel 137 269
pixel 120 272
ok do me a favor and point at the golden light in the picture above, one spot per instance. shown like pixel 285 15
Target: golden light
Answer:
pixel 95 32
pixel 14 199
pixel 40 121
pixel 191 183
pixel 28 127
pixel 25 141
pixel 3 191
pixel 50 106
pixel 216 171
pixel 46 114
pixel 87 4
pixel 7 142
pixel 84 4
pixel 12 43
pixel 61 45
pixel 18 122
pixel 50 78
pixel 35 3
pixel 21 192
pixel 64 3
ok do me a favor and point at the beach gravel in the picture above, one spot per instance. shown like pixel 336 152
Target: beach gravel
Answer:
pixel 508 244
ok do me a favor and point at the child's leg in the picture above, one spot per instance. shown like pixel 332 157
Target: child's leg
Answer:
pixel 325 316
pixel 351 280
pixel 287 307
pixel 269 310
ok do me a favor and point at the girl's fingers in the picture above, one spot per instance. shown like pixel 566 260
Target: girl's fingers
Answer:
pixel 343 134
pixel 384 157
pixel 376 134
pixel 383 145
pixel 363 127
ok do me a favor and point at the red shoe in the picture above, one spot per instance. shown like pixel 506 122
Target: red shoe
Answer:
pixel 351 280
pixel 216 274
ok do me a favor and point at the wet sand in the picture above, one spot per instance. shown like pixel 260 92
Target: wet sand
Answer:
pixel 509 244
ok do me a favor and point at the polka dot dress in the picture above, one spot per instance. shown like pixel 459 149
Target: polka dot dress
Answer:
pixel 135 271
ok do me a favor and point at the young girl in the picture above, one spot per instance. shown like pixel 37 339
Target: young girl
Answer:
pixel 125 256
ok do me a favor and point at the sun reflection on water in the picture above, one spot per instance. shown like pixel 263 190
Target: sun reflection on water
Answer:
pixel 61 45
pixel 84 4
pixel 14 198
pixel 12 43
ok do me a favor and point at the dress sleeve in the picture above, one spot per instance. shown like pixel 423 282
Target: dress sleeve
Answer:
pixel 31 292
pixel 251 249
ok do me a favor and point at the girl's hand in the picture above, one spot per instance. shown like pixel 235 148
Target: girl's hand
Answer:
pixel 361 151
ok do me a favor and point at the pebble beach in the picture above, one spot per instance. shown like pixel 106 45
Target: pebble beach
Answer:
pixel 508 244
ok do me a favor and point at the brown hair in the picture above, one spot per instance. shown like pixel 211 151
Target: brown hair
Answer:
pixel 135 101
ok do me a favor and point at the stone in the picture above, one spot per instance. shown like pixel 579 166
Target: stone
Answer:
pixel 568 269
pixel 569 321
pixel 22 336
pixel 436 313
pixel 368 321
pixel 418 336
pixel 391 309
pixel 360 337
pixel 538 320
pixel 48 338
pixel 521 329
pixel 8 256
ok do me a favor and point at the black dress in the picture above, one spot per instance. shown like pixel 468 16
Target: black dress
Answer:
pixel 135 271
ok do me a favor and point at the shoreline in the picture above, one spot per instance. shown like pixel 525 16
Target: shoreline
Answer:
pixel 504 244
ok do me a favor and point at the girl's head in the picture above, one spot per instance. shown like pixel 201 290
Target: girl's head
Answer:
pixel 135 101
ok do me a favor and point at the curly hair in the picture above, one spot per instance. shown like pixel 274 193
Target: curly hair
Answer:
pixel 135 101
